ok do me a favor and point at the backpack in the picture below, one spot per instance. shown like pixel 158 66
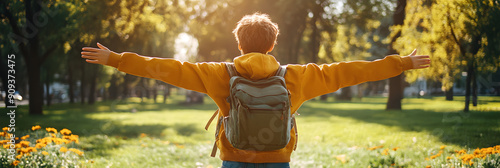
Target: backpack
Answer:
pixel 259 116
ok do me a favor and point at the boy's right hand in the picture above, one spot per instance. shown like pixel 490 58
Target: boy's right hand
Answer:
pixel 419 61
pixel 96 55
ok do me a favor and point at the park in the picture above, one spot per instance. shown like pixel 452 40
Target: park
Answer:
pixel 60 109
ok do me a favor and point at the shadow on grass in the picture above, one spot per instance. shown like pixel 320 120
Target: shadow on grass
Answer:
pixel 475 129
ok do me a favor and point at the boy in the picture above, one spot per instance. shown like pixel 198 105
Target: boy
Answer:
pixel 256 36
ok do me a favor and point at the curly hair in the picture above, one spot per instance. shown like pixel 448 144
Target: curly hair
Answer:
pixel 256 33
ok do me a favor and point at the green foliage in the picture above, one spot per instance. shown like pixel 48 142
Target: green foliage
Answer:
pixel 386 157
pixel 492 161
pixel 448 30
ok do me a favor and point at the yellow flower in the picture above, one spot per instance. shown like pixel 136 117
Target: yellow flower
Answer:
pixel 386 151
pixel 76 151
pixel 45 153
pixel 65 131
pixel 74 138
pixel 442 147
pixel 31 149
pixel 15 162
pixel 40 145
pixel 376 147
pixel 461 152
pixel 179 146
pixel 5 128
pixel 49 129
pixel 19 156
pixel 427 166
pixel 24 150
pixel 143 135
pixel 395 149
pixel 448 158
pixel 36 127
pixel 342 158
pixel 25 137
pixel 57 141
pixel 25 143
pixel 63 149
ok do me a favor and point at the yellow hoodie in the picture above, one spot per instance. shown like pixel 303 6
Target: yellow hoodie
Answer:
pixel 304 82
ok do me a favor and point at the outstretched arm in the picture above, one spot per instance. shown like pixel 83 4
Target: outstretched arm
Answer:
pixel 191 76
pixel 315 80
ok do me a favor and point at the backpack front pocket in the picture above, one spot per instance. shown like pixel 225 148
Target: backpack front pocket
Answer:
pixel 262 129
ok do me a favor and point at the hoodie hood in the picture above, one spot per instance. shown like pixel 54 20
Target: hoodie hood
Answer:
pixel 255 66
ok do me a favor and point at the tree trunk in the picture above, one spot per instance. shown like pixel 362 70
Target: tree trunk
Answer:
pixel 166 93
pixel 35 89
pixel 145 88
pixel 323 97
pixel 155 91
pixel 395 93
pixel 315 36
pixel 92 89
pixel 113 88
pixel 82 84
pixel 125 87
pixel 474 88
pixel 449 94
pixel 47 90
pixel 471 74
pixel 395 83
pixel 71 85
pixel 346 94
pixel 468 81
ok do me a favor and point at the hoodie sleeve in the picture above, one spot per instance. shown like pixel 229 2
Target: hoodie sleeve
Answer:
pixel 192 76
pixel 313 80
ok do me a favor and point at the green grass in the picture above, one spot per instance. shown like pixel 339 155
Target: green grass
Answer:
pixel 110 131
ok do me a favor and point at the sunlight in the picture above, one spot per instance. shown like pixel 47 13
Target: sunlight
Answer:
pixel 186 47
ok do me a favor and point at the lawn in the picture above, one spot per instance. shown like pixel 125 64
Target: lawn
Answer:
pixel 332 133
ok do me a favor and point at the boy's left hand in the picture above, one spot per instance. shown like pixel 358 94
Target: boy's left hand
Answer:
pixel 419 61
pixel 96 55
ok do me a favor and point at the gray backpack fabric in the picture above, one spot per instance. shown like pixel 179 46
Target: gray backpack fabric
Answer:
pixel 259 116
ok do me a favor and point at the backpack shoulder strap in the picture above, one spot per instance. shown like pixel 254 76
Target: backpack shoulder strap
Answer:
pixel 231 70
pixel 281 71
pixel 211 119
pixel 219 122
pixel 296 132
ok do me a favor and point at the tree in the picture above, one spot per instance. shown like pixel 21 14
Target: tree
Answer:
pixel 34 38
pixel 359 28
pixel 396 83
pixel 459 34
